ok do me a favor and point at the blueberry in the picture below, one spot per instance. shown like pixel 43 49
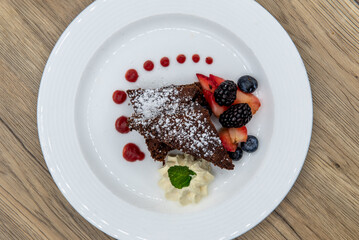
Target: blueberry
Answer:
pixel 236 155
pixel 251 145
pixel 247 84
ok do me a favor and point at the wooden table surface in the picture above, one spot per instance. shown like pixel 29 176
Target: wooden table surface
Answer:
pixel 324 202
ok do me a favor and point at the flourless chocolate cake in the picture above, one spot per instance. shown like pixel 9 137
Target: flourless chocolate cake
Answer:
pixel 176 117
pixel 159 150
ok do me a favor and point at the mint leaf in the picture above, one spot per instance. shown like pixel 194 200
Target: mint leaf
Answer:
pixel 180 176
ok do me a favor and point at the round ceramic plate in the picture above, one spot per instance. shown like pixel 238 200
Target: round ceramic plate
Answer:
pixel 76 114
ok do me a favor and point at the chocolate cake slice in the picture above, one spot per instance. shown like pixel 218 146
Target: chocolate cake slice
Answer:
pixel 175 119
pixel 159 150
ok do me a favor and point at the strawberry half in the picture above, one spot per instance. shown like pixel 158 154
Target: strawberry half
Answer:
pixel 248 98
pixel 227 141
pixel 216 79
pixel 238 134
pixel 216 109
pixel 230 137
pixel 207 83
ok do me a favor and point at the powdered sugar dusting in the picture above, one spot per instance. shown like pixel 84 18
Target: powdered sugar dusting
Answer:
pixel 183 126
pixel 149 103
pixel 175 119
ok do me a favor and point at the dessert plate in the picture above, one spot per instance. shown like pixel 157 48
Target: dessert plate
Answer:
pixel 76 113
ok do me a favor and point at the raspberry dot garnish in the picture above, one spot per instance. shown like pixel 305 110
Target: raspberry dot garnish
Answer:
pixel 165 62
pixel 131 75
pixel 131 152
pixel 122 125
pixel 196 58
pixel 181 58
pixel 119 96
pixel 209 60
pixel 148 65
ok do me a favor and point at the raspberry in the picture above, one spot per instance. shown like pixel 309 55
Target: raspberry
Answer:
pixel 225 94
pixel 236 116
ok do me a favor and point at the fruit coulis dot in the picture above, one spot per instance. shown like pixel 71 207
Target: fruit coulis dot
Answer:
pixel 131 75
pixel 196 58
pixel 122 125
pixel 148 65
pixel 119 96
pixel 181 58
pixel 131 152
pixel 165 62
pixel 209 60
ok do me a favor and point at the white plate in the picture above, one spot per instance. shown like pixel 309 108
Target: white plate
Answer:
pixel 76 114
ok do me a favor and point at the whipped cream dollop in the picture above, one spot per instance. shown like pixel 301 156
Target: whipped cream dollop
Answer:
pixel 198 187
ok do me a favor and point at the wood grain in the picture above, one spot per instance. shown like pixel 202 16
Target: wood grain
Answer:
pixel 324 202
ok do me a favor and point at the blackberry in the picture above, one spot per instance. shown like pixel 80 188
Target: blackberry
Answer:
pixel 225 94
pixel 251 145
pixel 237 155
pixel 236 116
pixel 247 84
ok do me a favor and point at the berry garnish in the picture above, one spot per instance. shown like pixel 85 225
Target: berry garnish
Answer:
pixel 209 85
pixel 226 140
pixel 238 134
pixel 216 109
pixel 216 79
pixel 237 155
pixel 212 82
pixel 248 98
pixel 251 145
pixel 230 137
pixel 236 116
pixel 225 94
pixel 247 84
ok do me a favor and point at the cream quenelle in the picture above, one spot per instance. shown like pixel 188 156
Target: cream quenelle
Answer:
pixel 199 179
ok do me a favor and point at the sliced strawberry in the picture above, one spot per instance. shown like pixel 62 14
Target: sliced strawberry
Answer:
pixel 216 109
pixel 206 83
pixel 227 141
pixel 238 134
pixel 216 79
pixel 248 98
pixel 230 137
pixel 209 84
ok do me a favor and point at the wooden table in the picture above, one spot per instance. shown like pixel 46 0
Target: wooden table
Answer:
pixel 324 202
